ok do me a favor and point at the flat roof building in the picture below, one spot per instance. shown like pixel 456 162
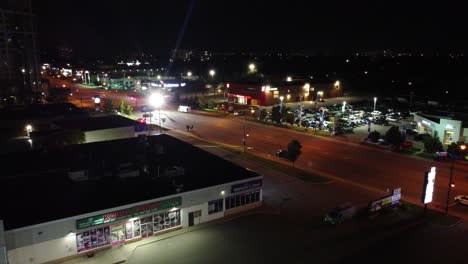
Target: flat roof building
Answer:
pixel 270 93
pixel 94 196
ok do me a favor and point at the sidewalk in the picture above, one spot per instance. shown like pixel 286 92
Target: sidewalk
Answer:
pixel 122 253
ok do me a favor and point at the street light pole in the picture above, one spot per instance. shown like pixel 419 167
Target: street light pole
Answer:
pixel 450 183
pixel 375 102
pixel 449 186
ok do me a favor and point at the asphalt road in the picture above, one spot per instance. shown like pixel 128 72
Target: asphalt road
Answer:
pixel 366 167
pixel 359 165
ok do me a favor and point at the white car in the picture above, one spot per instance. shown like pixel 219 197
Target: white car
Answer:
pixel 376 113
pixel 463 199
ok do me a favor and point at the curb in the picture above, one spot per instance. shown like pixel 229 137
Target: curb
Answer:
pixel 259 210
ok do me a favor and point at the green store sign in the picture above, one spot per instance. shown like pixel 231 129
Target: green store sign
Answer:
pixel 128 213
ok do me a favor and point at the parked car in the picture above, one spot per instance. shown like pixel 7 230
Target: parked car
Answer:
pixel 340 214
pixel 407 144
pixel 463 199
pixel 282 153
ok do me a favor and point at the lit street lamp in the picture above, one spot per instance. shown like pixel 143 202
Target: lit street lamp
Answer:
pixel 252 67
pixel 281 103
pixel 289 79
pixel 450 183
pixel 157 100
pixel 212 74
pixel 375 102
pixel 189 74
pixel 28 130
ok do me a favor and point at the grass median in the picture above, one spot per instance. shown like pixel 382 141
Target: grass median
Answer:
pixel 288 169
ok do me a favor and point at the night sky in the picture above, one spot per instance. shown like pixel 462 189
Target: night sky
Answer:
pixel 114 27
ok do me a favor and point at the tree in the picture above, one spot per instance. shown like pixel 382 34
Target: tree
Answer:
pixel 275 114
pixel 211 104
pixel 108 107
pixel 289 118
pixel 263 114
pixel 374 136
pixel 456 150
pixel 128 109
pixel 201 102
pixel 432 144
pixel 122 107
pixel 294 150
pixel 394 137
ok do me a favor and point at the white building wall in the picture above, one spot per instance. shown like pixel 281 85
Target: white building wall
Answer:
pixel 44 251
pixel 109 134
pixel 3 252
pixel 57 239
pixel 465 135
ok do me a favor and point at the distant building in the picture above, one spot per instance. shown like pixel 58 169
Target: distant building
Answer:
pixel 449 129
pixel 19 62
pixel 270 93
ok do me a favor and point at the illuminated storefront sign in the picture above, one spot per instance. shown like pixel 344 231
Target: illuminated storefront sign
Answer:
pixel 426 123
pixel 128 213
pixel 428 188
pixel 386 201
pixel 246 186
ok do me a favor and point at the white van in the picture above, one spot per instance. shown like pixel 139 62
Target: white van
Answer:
pixel 183 108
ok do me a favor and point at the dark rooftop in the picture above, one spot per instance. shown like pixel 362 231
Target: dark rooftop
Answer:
pixel 96 123
pixel 36 187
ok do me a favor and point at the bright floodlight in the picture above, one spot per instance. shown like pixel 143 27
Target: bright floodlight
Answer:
pixel 281 98
pixel 289 79
pixel 28 128
pixel 189 73
pixel 337 83
pixel 97 100
pixel 212 73
pixel 251 67
pixel 23 70
pixel 463 147
pixel 156 100
pixel 159 77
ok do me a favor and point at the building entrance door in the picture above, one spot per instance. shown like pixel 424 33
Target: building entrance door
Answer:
pixel 448 137
pixel 194 218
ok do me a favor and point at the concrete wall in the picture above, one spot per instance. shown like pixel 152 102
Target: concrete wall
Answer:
pixel 57 239
pixel 109 134
pixel 3 256
pixel 44 251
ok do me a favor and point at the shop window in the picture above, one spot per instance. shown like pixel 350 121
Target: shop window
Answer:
pixel 136 228
pixel 128 230
pixel 242 199
pixel 92 239
pixel 215 206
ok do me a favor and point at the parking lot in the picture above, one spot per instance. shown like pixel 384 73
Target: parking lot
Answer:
pixel 353 119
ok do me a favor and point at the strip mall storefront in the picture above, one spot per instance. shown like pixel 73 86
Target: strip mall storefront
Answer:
pixel 79 235
pixel 128 224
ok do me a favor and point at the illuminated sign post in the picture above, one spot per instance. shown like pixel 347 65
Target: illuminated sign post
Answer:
pixel 428 188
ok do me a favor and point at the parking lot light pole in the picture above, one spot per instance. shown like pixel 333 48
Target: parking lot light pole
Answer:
pixel 375 102
pixel 450 183
pixel 157 100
